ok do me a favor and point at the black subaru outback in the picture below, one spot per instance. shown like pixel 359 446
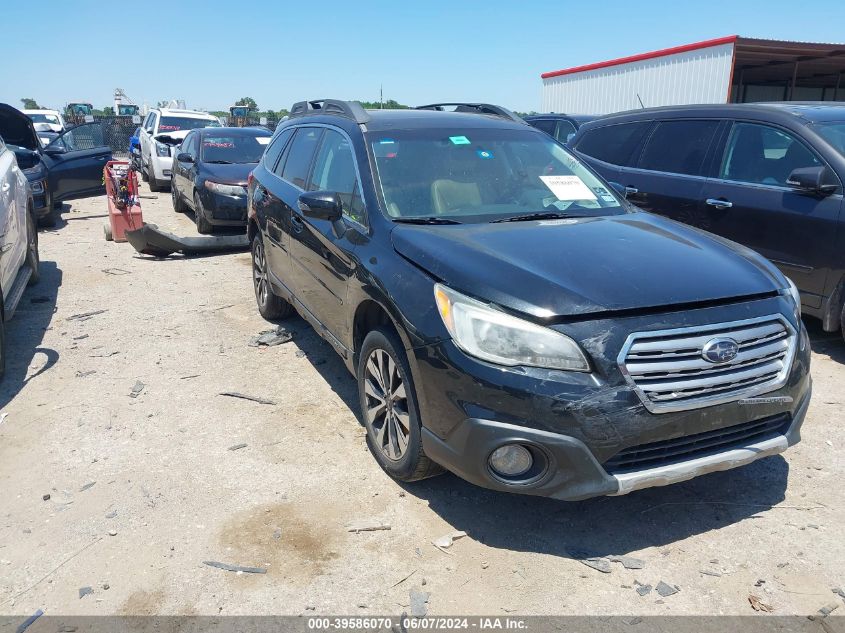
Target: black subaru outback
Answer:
pixel 509 316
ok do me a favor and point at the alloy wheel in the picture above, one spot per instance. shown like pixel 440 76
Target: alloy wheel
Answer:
pixel 387 404
pixel 259 272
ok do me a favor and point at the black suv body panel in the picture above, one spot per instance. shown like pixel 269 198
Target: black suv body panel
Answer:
pixel 802 233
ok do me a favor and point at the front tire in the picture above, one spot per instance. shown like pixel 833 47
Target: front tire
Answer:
pixel 389 408
pixel 270 305
pixel 151 180
pixel 203 225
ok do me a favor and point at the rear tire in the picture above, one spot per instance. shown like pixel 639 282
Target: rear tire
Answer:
pixel 389 408
pixel 32 258
pixel 203 225
pixel 270 305
pixel 144 175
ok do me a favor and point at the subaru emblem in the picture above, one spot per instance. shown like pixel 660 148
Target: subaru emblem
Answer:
pixel 720 350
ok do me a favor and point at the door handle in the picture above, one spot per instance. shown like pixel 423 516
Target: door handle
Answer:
pixel 296 222
pixel 719 203
pixel 630 191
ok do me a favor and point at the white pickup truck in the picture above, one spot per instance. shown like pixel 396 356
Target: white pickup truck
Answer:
pixel 18 240
pixel 162 130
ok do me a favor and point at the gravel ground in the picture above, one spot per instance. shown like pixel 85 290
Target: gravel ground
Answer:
pixel 143 489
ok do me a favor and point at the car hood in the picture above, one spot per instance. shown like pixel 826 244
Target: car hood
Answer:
pixel 16 128
pixel 587 265
pixel 235 174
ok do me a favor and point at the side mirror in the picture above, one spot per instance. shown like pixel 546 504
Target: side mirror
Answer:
pixel 184 157
pixel 819 180
pixel 55 148
pixel 321 205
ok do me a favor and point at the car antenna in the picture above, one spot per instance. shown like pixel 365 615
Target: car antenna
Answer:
pixel 641 101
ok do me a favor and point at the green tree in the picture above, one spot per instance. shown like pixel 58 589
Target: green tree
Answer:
pixel 247 101
pixel 30 104
pixel 389 104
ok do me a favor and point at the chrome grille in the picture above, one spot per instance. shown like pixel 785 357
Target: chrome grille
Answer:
pixel 669 372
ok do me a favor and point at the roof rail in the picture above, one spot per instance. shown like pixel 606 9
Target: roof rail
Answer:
pixel 349 109
pixel 477 108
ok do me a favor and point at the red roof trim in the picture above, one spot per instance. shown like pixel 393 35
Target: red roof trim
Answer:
pixel 643 56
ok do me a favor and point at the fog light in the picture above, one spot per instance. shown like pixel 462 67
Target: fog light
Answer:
pixel 511 460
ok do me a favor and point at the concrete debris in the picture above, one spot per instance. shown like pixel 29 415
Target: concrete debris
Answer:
pixel 593 562
pixel 419 603
pixel 300 353
pixel 710 572
pixel 112 532
pixel 628 562
pixel 106 586
pixel 111 514
pixel 243 396
pixel 447 540
pixel 839 592
pixel 137 388
pixel 237 447
pixel 758 605
pixel 45 497
pixel 90 484
pixel 828 609
pixel 277 533
pixel 271 338
pixel 115 271
pixel 82 374
pixel 666 590
pixel 367 525
pixel 84 591
pixel 643 590
pixel 85 315
pixel 236 568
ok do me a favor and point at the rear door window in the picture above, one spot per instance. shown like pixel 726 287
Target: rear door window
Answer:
pixel 761 154
pixel 546 125
pixel 613 144
pixel 302 149
pixel 678 147
pixel 274 150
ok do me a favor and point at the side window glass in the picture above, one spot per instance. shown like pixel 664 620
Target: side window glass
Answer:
pixel 274 150
pixel 564 131
pixel 613 144
pixel 190 146
pixel 85 136
pixel 678 147
pixel 763 155
pixel 148 122
pixel 334 170
pixel 298 160
pixel 546 125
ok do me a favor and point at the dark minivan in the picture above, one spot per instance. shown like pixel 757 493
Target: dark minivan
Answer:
pixel 509 316
pixel 768 176
pixel 561 127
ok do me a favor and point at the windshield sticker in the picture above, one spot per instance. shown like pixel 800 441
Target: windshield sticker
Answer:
pixel 263 140
pixel 568 187
pixel 218 143
pixel 386 141
pixel 459 140
pixel 483 153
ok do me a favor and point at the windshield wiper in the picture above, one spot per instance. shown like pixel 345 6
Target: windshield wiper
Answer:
pixel 542 215
pixel 430 220
pixel 219 162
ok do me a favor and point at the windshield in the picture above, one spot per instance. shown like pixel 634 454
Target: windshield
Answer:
pixel 44 118
pixel 238 148
pixel 176 124
pixel 484 175
pixel 834 133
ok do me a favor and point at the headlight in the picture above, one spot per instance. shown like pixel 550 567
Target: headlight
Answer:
pixel 162 149
pixel 37 187
pixel 226 190
pixel 500 338
pixel 792 291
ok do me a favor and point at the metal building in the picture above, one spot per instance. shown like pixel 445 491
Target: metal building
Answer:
pixel 729 69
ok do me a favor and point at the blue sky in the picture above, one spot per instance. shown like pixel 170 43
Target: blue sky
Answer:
pixel 211 53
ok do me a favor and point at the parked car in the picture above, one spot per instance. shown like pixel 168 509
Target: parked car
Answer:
pixel 69 167
pixel 53 118
pixel 18 240
pixel 45 133
pixel 509 316
pixel 162 130
pixel 768 176
pixel 562 127
pixel 210 174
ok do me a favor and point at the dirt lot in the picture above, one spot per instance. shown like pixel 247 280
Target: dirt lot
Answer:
pixel 143 489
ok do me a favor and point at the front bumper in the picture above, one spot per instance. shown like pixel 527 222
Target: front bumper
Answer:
pixel 578 423
pixel 224 210
pixel 161 166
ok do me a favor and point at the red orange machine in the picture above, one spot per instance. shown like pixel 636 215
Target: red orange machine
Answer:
pixel 122 192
